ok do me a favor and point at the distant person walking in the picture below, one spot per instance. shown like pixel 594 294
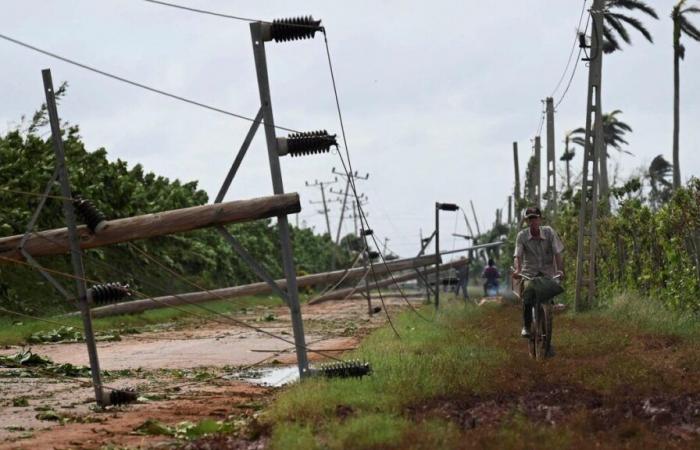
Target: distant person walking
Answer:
pixel 492 275
pixel 463 279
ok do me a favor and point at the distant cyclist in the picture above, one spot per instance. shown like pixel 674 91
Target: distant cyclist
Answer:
pixel 492 275
pixel 538 253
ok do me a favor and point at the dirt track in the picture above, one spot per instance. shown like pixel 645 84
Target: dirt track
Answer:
pixel 192 387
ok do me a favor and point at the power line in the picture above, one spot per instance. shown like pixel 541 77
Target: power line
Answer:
pixel 573 72
pixel 135 83
pixel 573 47
pixel 202 11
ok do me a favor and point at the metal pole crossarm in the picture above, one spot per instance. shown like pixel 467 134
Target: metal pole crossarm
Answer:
pixel 239 157
pixel 55 242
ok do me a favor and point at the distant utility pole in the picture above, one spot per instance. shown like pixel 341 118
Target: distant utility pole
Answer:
pixel 354 177
pixel 537 192
pixel 516 190
pixel 386 239
pixel 593 147
pixel 510 210
pixel 551 160
pixel 322 185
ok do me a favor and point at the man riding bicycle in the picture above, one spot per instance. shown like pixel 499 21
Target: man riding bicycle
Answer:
pixel 538 253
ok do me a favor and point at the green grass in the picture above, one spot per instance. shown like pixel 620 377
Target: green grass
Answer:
pixel 431 360
pixel 649 315
pixel 15 330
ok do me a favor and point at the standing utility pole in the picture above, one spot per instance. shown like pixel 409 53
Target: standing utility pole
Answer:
pixel 510 210
pixel 551 160
pixel 593 146
pixel 537 172
pixel 516 191
pixel 322 185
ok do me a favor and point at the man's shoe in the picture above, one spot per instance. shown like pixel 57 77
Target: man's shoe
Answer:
pixel 524 333
pixel 550 352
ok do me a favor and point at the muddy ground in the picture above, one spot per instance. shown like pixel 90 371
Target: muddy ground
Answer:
pixel 185 374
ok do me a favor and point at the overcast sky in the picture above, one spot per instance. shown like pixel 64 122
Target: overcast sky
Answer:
pixel 433 94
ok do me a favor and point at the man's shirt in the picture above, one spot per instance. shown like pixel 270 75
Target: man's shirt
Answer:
pixel 537 253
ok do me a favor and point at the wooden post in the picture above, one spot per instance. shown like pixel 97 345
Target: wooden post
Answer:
pixel 55 242
pixel 136 306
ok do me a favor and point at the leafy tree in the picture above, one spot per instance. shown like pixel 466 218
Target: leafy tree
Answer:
pixel 681 26
pixel 202 256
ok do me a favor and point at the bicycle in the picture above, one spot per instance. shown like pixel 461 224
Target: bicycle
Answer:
pixel 540 340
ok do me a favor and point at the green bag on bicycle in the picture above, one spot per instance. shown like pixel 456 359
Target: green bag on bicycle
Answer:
pixel 545 288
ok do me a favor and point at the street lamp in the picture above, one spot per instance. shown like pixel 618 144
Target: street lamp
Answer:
pixel 438 207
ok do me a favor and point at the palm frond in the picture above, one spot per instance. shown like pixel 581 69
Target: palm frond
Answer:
pixel 691 9
pixel 615 23
pixel 610 43
pixel 633 5
pixel 635 23
pixel 568 156
pixel 689 29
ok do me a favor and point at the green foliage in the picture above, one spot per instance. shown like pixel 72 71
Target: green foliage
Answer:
pixel 27 164
pixel 653 252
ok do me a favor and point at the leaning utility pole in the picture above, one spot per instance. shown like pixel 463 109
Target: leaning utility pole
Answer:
pixel 551 161
pixel 476 221
pixel 322 185
pixel 593 146
pixel 516 191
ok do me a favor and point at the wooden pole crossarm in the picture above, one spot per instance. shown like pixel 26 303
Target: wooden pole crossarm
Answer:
pixel 55 242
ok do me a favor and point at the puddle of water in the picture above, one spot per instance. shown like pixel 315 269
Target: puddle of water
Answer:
pixel 268 376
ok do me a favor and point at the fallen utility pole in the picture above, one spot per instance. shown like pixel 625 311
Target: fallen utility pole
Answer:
pixel 56 242
pixel 137 306
pixel 340 294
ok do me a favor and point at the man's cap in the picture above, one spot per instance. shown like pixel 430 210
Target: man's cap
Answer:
pixel 533 211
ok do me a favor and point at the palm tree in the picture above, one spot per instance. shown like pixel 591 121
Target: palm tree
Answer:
pixel 659 171
pixel 614 131
pixel 616 22
pixel 570 152
pixel 681 25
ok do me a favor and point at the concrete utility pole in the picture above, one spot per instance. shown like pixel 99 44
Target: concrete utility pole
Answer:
pixel 322 185
pixel 516 190
pixel 551 160
pixel 593 146
pixel 354 177
pixel 538 171
pixel 386 240
pixel 510 210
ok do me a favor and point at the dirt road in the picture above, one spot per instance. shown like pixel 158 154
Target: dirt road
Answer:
pixel 183 371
